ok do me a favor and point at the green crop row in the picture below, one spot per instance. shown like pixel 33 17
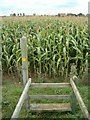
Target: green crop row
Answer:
pixel 54 45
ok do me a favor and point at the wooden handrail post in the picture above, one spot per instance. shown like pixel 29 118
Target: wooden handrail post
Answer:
pixel 23 45
pixel 21 101
pixel 73 102
pixel 79 99
pixel 73 97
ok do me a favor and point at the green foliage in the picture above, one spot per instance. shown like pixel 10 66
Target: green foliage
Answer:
pixel 53 45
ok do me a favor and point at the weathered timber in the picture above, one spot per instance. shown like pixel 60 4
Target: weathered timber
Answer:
pixel 73 102
pixel 49 85
pixel 39 97
pixel 80 101
pixel 50 107
pixel 23 45
pixel 73 97
pixel 21 100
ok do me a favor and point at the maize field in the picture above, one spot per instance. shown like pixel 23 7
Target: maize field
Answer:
pixel 54 44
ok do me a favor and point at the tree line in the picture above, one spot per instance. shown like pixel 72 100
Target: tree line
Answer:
pixel 19 14
pixel 59 14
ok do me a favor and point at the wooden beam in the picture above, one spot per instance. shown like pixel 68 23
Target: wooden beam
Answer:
pixel 49 85
pixel 80 101
pixel 23 45
pixel 50 107
pixel 73 102
pixel 40 97
pixel 73 97
pixel 21 100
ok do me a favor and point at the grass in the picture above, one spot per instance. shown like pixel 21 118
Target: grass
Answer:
pixel 12 90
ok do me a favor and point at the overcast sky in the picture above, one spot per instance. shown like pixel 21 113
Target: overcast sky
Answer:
pixel 43 6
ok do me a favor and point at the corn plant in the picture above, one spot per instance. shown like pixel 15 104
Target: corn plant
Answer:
pixel 53 45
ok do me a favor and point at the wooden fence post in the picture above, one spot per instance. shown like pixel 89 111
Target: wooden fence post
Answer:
pixel 73 97
pixel 23 45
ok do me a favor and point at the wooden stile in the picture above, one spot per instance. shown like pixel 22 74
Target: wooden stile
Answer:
pixel 51 106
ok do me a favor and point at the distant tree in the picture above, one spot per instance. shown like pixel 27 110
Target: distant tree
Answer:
pixel 80 14
pixel 34 14
pixel 71 14
pixel 10 14
pixel 4 16
pixel 14 14
pixel 58 14
pixel 20 14
pixel 88 15
pixel 75 14
pixel 23 14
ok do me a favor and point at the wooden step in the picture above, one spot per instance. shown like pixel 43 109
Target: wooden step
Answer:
pixel 50 107
pixel 49 85
pixel 40 97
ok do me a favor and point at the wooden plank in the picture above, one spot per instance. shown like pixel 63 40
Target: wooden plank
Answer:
pixel 80 101
pixel 73 102
pixel 23 45
pixel 50 107
pixel 49 85
pixel 21 100
pixel 39 97
pixel 73 97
